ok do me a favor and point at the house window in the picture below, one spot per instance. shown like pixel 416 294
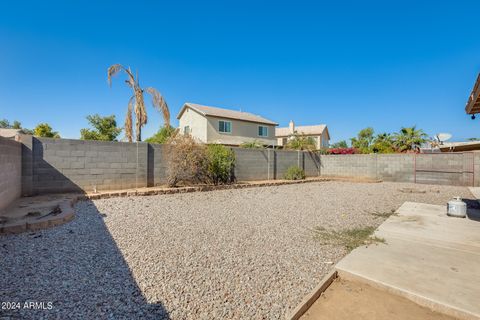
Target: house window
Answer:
pixel 225 126
pixel 262 131
pixel 186 130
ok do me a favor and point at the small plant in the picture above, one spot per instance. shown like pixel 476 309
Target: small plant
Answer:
pixel 294 173
pixel 350 238
pixel 383 214
pixel 221 162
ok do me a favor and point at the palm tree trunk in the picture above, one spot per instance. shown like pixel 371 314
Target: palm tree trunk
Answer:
pixel 138 131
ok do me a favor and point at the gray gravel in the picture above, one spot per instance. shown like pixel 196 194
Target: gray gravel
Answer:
pixel 246 253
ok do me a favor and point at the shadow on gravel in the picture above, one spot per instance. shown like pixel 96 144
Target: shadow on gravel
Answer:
pixel 74 271
pixel 473 209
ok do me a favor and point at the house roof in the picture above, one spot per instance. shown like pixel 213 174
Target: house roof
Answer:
pixel 224 113
pixel 460 146
pixel 473 103
pixel 307 130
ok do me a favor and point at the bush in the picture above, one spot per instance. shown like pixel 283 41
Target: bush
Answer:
pixel 162 135
pixel 343 151
pixel 187 161
pixel 221 162
pixel 294 173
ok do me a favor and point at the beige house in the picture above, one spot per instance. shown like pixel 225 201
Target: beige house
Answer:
pixel 319 133
pixel 224 126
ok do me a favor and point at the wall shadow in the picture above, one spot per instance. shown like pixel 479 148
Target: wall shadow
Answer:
pixel 77 267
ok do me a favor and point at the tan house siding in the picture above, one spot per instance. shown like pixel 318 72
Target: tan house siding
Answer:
pixel 242 131
pixel 197 124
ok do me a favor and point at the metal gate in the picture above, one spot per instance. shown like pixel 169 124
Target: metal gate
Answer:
pixel 445 168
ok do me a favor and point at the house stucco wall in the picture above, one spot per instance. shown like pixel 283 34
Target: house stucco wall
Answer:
pixel 196 122
pixel 242 131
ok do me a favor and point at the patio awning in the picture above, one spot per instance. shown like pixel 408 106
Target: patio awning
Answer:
pixel 473 104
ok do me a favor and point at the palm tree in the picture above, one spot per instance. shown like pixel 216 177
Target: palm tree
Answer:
pixel 137 104
pixel 301 142
pixel 409 138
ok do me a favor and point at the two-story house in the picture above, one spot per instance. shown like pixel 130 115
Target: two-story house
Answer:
pixel 319 133
pixel 225 126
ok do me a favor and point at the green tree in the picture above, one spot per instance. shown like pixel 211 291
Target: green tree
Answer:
pixel 44 130
pixel 5 124
pixel 301 142
pixel 409 138
pixel 105 128
pixel 339 144
pixel 473 139
pixel 383 143
pixel 364 140
pixel 162 135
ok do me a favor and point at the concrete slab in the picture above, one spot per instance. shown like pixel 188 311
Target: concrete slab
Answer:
pixel 428 257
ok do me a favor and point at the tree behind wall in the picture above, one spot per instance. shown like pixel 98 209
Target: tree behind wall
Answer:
pixel 44 130
pixel 105 128
pixel 136 104
pixel 409 138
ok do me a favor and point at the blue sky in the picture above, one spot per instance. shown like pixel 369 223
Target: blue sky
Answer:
pixel 384 64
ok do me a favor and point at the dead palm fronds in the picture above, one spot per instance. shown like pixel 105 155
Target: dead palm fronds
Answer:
pixel 136 104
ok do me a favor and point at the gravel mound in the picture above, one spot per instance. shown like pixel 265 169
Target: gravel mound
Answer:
pixel 236 254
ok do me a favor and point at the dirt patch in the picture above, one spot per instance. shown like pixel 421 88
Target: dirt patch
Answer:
pixel 355 300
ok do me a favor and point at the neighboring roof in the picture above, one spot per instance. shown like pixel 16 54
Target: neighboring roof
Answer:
pixel 307 130
pixel 473 103
pixel 460 146
pixel 9 133
pixel 224 113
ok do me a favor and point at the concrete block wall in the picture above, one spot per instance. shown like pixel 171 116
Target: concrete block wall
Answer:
pixel 447 169
pixel 10 171
pixel 254 164
pixel 64 165
pixel 311 164
pixel 396 167
pixel 157 165
pixel 285 160
pixel 476 166
pixel 351 165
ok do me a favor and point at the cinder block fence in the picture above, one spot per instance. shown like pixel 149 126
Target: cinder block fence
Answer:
pixel 41 165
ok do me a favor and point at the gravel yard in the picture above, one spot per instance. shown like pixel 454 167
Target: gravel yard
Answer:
pixel 241 254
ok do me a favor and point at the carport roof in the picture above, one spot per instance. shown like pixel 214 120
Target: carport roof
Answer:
pixel 473 103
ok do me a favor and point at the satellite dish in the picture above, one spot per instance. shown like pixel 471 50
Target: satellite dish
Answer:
pixel 441 137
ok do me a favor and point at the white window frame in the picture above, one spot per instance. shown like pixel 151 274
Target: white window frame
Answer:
pixel 258 131
pixel 225 121
pixel 185 131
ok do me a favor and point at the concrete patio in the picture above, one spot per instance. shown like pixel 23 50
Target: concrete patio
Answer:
pixel 428 257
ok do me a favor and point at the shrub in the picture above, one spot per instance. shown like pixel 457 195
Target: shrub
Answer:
pixel 343 151
pixel 255 144
pixel 221 162
pixel 187 161
pixel 294 173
